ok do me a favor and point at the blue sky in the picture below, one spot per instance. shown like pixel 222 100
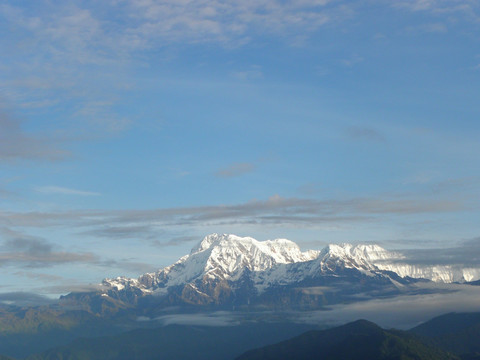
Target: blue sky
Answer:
pixel 131 129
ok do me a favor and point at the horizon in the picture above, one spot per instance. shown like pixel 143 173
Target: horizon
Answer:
pixel 129 130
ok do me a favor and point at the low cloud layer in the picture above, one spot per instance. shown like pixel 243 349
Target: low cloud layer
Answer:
pixel 217 318
pixel 405 311
pixel 402 312
pixel 24 299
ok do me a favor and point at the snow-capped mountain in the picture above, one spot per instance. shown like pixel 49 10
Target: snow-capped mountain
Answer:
pixel 232 270
pixel 219 257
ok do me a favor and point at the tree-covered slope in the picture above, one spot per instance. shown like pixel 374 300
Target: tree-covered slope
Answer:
pixel 356 341
pixel 455 332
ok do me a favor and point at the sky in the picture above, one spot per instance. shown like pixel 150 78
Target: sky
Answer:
pixel 130 129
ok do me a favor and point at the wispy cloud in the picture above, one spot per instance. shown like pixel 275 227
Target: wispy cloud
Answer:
pixel 33 251
pixel 275 210
pixel 466 254
pixel 352 60
pixel 84 34
pixel 64 191
pixel 224 21
pixel 48 278
pixel 364 133
pixel 125 231
pixel 236 169
pixel 469 9
pixel 15 143
pixel 418 5
pixel 178 240
pixel 254 73
pixel 433 28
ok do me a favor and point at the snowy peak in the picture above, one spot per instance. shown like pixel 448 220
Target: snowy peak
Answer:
pixel 226 256
pixel 209 241
pixel 218 257
pixel 282 251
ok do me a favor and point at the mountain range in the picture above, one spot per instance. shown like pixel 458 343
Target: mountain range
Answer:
pixel 231 272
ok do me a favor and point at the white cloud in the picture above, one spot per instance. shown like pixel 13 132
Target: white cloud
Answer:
pixel 223 21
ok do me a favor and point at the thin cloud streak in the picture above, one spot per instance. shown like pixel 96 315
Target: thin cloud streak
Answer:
pixel 235 170
pixel 64 191
pixel 178 240
pixel 273 209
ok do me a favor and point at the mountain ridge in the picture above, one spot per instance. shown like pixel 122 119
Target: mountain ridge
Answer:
pixel 226 256
pixel 360 339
